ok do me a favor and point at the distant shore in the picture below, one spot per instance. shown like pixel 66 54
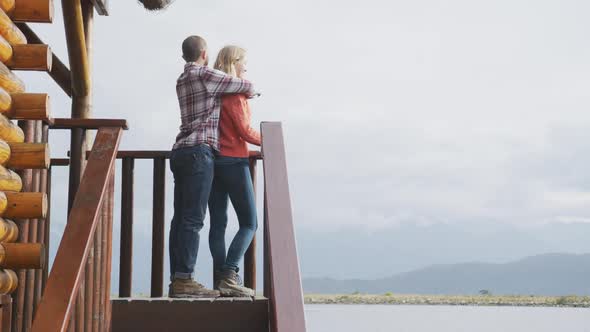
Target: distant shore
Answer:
pixel 471 300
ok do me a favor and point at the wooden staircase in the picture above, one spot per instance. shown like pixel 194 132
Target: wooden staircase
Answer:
pixel 194 315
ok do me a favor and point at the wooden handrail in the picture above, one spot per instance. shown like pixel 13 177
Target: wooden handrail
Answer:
pixel 142 154
pixel 63 284
pixel 286 295
pixel 81 123
pixel 157 154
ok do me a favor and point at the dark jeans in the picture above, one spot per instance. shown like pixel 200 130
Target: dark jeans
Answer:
pixel 193 174
pixel 232 180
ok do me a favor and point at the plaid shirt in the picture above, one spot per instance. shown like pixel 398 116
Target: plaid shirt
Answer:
pixel 199 89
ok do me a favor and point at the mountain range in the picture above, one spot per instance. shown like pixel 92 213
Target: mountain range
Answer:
pixel 548 274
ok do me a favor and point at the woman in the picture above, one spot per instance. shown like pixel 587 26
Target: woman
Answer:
pixel 232 180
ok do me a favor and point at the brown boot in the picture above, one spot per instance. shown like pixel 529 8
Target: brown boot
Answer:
pixel 180 288
pixel 230 285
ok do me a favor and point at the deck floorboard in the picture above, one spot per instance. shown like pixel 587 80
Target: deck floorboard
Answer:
pixel 192 314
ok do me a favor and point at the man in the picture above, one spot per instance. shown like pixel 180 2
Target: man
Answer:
pixel 199 89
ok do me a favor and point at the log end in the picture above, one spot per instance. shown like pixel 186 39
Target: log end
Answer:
pixel 23 255
pixel 8 281
pixel 36 11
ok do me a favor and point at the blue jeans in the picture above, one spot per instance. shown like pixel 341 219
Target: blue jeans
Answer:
pixel 193 174
pixel 232 180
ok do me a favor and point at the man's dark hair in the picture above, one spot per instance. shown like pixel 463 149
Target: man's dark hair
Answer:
pixel 192 47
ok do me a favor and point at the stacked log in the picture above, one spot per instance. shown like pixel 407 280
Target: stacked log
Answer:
pixel 22 207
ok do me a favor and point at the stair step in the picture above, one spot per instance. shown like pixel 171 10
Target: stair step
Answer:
pixel 224 314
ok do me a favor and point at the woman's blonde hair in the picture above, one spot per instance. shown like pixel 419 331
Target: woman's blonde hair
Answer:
pixel 228 57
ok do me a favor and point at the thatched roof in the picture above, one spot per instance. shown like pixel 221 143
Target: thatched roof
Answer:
pixel 155 4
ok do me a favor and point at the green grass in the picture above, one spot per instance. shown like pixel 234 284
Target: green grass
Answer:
pixel 487 300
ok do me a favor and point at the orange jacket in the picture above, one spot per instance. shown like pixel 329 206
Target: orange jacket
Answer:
pixel 234 127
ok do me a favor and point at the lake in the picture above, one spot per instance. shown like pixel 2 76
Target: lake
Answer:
pixel 424 318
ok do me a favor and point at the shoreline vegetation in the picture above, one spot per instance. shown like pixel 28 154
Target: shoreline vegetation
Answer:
pixel 466 300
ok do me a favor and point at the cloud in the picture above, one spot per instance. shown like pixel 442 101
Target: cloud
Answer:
pixel 422 112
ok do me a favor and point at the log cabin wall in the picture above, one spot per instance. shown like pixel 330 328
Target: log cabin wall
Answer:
pixel 24 163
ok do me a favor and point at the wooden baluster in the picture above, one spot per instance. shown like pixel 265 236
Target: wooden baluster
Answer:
pixel 159 197
pixel 266 254
pixel 20 309
pixel 89 285
pixel 93 325
pixel 100 300
pixel 33 232
pixel 47 229
pixel 33 225
pixel 250 257
pixel 126 268
pixel 109 253
pixel 42 228
pixel 6 313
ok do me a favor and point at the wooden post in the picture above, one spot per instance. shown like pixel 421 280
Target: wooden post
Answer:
pixel 76 40
pixel 250 257
pixel 126 252
pixel 76 25
pixel 158 235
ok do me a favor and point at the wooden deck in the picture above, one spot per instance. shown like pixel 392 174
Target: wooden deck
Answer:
pixel 206 315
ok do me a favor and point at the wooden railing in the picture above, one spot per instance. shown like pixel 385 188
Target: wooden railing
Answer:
pixel 158 222
pixel 282 282
pixel 87 234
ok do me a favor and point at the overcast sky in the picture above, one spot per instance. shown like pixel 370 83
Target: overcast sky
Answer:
pixel 419 111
